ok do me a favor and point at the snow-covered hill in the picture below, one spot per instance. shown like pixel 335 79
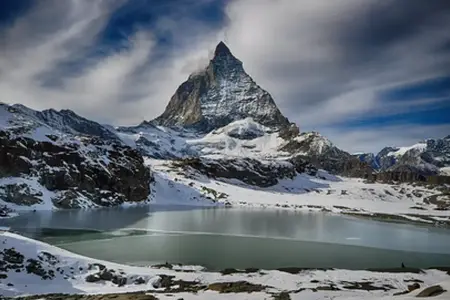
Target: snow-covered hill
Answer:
pixel 64 162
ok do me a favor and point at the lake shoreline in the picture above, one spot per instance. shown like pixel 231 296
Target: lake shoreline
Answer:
pixel 71 276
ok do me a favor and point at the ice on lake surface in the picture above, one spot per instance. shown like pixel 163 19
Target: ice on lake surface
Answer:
pixel 221 238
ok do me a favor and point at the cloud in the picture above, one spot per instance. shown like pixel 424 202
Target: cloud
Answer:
pixel 47 61
pixel 324 62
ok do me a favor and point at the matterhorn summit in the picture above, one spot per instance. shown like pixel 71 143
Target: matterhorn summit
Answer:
pixel 220 94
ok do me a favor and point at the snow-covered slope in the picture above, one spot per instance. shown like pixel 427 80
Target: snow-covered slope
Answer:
pixel 157 141
pixel 32 267
pixel 314 191
pixel 45 164
pixel 63 121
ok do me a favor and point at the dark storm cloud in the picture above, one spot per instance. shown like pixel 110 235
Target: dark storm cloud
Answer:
pixel 383 24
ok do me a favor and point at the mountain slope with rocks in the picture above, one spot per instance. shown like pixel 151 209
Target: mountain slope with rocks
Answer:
pixel 429 157
pixel 43 166
pixel 220 94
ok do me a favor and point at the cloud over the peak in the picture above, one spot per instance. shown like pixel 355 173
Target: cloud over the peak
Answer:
pixel 326 61
pixel 328 64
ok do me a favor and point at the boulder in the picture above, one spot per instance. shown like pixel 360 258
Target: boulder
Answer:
pixel 431 291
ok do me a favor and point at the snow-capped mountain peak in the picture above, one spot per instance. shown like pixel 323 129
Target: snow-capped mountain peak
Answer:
pixel 220 94
pixel 429 156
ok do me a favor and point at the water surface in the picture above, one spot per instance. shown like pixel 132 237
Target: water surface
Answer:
pixel 219 238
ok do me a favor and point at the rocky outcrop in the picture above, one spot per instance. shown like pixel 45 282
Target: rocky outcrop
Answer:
pixel 220 94
pixel 400 174
pixel 408 174
pixel 85 172
pixel 320 152
pixel 247 170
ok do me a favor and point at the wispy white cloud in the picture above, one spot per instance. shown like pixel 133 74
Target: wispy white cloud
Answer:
pixel 123 87
pixel 317 64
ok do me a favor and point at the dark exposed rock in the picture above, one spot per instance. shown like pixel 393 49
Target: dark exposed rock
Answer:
pixel 250 171
pixel 281 296
pixel 119 280
pixel 295 270
pixel 364 285
pixel 106 275
pixel 48 257
pixel 328 288
pixel 20 194
pixel 75 171
pixel 4 211
pixel 92 278
pixel 413 286
pixel 229 271
pixel 236 287
pixel 321 153
pixel 165 265
pixel 139 280
pixel 302 165
pixel 35 267
pixel 12 256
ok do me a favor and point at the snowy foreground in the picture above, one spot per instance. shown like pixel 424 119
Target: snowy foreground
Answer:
pixel 401 202
pixel 36 268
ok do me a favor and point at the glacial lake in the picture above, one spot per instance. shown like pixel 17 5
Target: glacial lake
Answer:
pixel 219 238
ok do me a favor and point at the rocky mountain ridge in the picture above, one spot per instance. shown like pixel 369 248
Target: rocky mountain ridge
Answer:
pixel 428 157
pixel 43 161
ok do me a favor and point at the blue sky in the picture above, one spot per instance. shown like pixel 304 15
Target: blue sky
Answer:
pixel 365 74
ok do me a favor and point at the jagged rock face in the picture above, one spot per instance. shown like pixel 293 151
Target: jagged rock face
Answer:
pixel 318 150
pixel 385 161
pixel 219 95
pixel 400 173
pixel 104 173
pixel 61 158
pixel 439 151
pixel 247 170
pixel 369 158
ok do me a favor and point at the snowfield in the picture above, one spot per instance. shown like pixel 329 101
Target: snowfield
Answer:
pixel 45 269
pixel 329 193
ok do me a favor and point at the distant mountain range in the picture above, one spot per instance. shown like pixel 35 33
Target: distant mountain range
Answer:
pixel 429 157
pixel 219 121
